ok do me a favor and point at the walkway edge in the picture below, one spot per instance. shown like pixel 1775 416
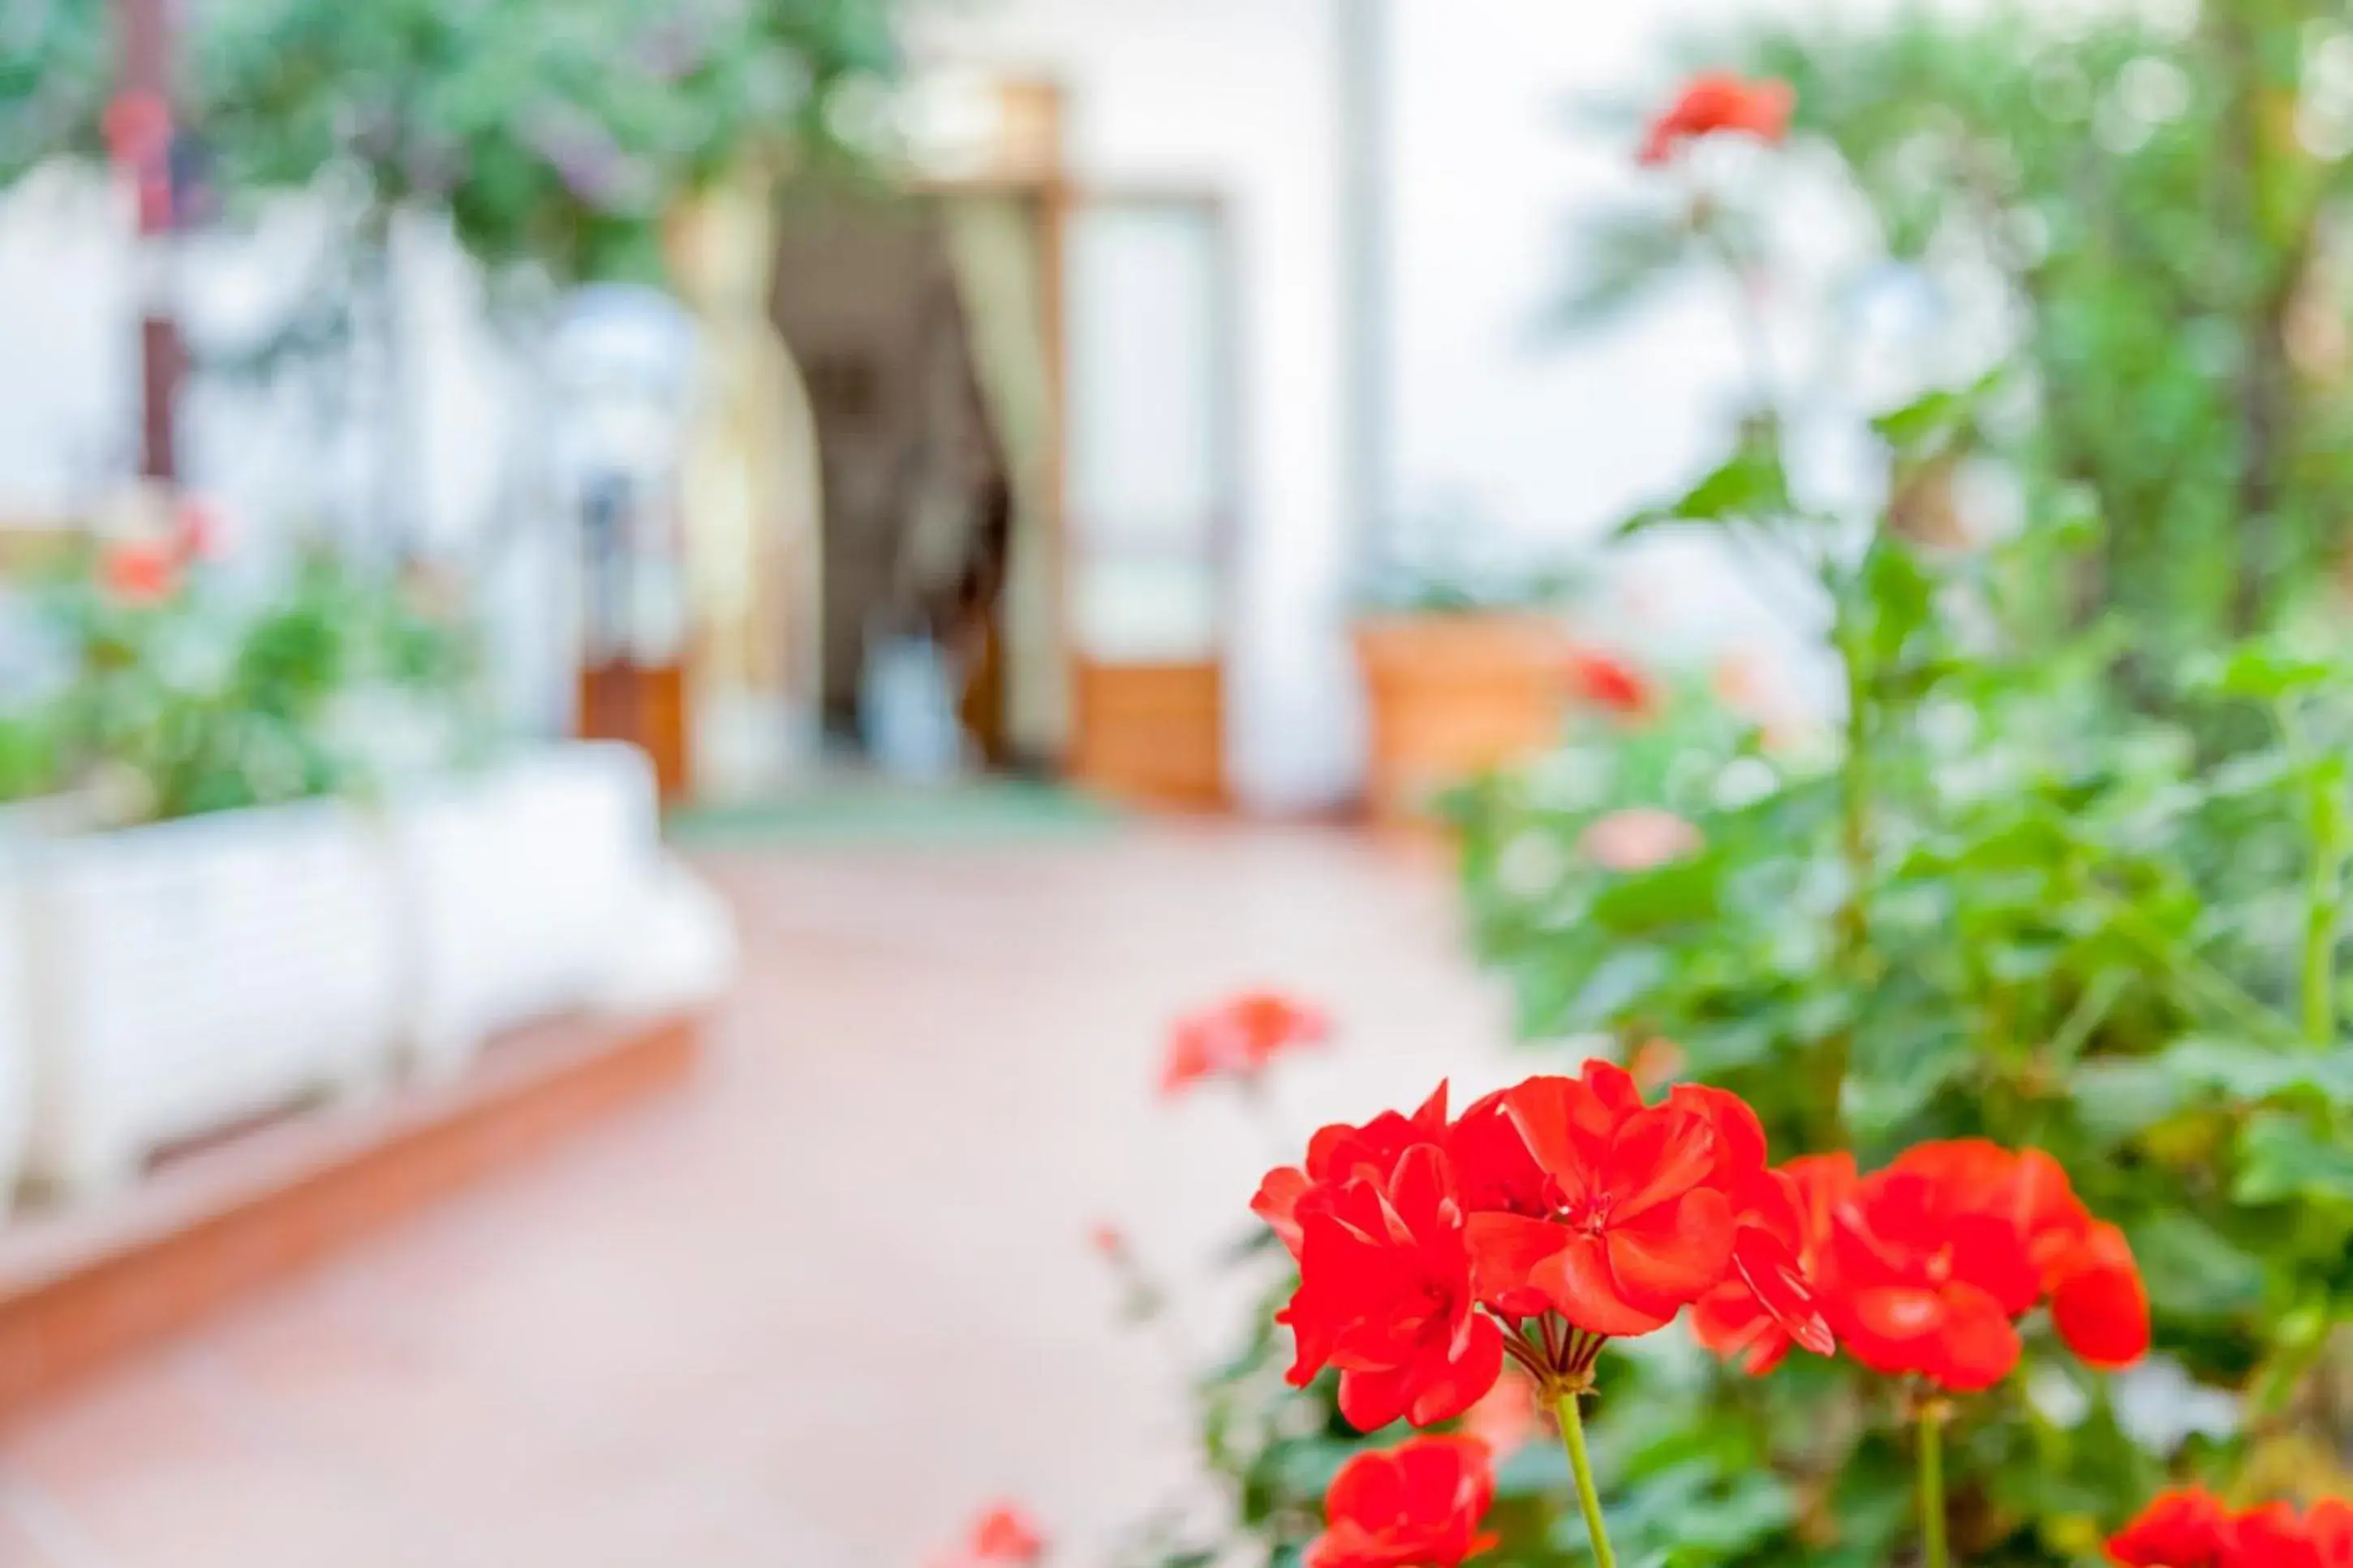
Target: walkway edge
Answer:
pixel 80 1291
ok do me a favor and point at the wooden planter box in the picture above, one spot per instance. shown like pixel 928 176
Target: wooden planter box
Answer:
pixel 1450 696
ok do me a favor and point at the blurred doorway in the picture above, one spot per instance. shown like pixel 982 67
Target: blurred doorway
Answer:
pixel 1025 397
pixel 923 510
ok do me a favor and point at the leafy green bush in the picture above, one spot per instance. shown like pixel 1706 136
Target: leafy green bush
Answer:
pixel 2150 201
pixel 2072 871
pixel 187 701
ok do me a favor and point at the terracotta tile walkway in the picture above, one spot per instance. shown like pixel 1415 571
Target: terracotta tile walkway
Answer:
pixel 811 1312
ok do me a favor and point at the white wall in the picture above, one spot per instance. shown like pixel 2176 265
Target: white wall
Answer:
pixel 1504 151
pixel 69 337
pixel 1238 97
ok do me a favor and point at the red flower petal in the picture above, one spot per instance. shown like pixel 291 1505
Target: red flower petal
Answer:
pixel 1731 1324
pixel 1447 1388
pixel 2271 1537
pixel 1659 1155
pixel 1991 1254
pixel 1373 1399
pixel 1277 1203
pixel 2101 1307
pixel 1506 1251
pixel 1666 1257
pixel 1580 1284
pixel 1568 1130
pixel 2330 1523
pixel 2178 1529
pixel 1979 1345
pixel 1778 1286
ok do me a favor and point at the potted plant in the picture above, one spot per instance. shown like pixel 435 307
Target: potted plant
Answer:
pixel 1463 671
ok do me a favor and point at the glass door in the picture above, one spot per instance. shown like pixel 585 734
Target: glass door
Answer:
pixel 1152 491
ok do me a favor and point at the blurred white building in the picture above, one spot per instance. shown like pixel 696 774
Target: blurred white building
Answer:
pixel 1242 109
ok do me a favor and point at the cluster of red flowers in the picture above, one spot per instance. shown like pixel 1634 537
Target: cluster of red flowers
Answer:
pixel 1720 101
pixel 1925 1267
pixel 1002 1537
pixel 138 571
pixel 1237 1037
pixel 1552 1217
pixel 2193 1530
pixel 1545 1221
pixel 1415 1506
pixel 1610 683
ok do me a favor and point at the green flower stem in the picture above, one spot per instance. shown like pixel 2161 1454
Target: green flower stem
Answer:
pixel 2325 882
pixel 1572 1439
pixel 2197 981
pixel 1932 1489
pixel 1852 933
pixel 2324 914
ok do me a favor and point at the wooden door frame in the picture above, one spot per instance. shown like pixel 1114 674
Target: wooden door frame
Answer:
pixel 1058 195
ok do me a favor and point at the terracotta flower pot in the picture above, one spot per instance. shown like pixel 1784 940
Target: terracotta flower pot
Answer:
pixel 1451 695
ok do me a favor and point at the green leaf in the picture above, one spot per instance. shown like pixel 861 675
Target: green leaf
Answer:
pixel 1624 978
pixel 2262 672
pixel 2192 1270
pixel 1750 484
pixel 1938 421
pixel 2282 1158
pixel 1682 893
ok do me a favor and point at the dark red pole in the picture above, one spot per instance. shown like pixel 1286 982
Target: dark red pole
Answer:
pixel 139 131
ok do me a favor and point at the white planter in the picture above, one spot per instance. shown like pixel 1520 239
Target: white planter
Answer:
pixel 519 892
pixel 191 974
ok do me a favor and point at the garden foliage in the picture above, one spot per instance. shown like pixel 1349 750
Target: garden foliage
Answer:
pixel 2067 869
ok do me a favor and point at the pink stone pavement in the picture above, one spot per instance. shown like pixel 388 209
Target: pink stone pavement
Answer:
pixel 818 1308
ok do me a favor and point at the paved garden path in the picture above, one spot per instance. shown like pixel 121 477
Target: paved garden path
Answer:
pixel 814 1310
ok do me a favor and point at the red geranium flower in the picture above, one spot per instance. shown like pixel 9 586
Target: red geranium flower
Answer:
pixel 1384 1295
pixel 2191 1528
pixel 1732 1319
pixel 138 574
pixel 2179 1530
pixel 1340 1151
pixel 1716 101
pixel 1608 682
pixel 1416 1506
pixel 1237 1038
pixel 1928 1284
pixel 1426 1247
pixel 1003 1537
pixel 1938 1254
pixel 1632 1231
